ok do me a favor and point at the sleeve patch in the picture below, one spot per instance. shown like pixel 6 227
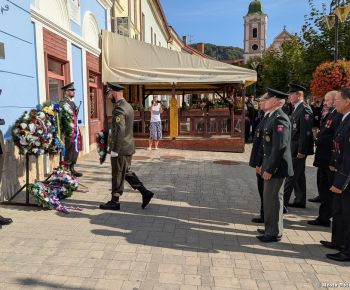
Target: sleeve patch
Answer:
pixel 280 128
pixel 118 119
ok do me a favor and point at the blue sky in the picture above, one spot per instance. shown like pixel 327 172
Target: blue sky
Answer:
pixel 221 21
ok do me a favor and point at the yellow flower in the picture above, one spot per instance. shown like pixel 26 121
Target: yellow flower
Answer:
pixel 49 110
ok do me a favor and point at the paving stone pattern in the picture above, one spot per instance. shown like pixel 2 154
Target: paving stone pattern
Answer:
pixel 196 233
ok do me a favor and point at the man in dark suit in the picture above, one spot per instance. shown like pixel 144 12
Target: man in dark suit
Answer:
pixel 256 158
pixel 71 141
pixel 276 166
pixel 302 145
pixel 122 148
pixel 340 187
pixel 324 145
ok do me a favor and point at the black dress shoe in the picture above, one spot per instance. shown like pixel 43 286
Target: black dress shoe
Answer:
pixel 77 174
pixel 111 205
pixel 146 197
pixel 341 257
pixel 261 231
pixel 315 199
pixel 298 205
pixel 258 220
pixel 5 221
pixel 331 245
pixel 268 239
pixel 317 222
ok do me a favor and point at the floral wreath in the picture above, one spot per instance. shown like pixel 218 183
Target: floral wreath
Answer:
pixel 102 145
pixel 33 133
pixel 67 119
pixel 59 186
pixel 52 111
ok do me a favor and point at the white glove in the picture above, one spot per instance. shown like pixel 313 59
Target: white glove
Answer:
pixel 114 154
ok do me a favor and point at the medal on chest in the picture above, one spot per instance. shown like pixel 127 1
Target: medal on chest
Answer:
pixel 329 123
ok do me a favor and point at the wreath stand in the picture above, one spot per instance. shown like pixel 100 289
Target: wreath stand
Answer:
pixel 25 186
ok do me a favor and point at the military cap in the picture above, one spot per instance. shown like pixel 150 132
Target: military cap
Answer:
pixel 296 88
pixel 69 87
pixel 271 93
pixel 262 98
pixel 114 87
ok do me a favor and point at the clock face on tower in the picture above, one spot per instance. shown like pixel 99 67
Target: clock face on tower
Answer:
pixel 255 47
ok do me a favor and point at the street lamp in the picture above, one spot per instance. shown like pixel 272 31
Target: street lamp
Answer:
pixel 254 64
pixel 338 13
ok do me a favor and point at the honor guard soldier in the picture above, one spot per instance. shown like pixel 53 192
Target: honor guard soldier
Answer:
pixel 71 141
pixel 341 187
pixel 276 166
pixel 324 145
pixel 302 145
pixel 122 148
pixel 256 157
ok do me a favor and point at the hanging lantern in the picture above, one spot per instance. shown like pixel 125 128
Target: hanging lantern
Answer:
pixel 342 12
pixel 330 21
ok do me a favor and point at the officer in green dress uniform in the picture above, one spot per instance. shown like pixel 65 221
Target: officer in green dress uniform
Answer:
pixel 341 187
pixel 256 157
pixel 276 165
pixel 302 145
pixel 122 148
pixel 71 150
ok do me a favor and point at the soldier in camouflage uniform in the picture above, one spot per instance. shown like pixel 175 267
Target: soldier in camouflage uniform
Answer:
pixel 122 148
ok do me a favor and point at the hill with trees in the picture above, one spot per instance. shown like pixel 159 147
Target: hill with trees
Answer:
pixel 222 52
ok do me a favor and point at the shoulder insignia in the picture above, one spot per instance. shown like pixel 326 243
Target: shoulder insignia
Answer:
pixel 280 128
pixel 117 119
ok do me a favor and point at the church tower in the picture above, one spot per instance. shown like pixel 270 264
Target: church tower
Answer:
pixel 255 31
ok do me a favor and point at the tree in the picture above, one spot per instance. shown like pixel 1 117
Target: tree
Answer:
pixel 319 42
pixel 277 69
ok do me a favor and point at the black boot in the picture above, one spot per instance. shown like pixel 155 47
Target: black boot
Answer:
pixel 146 195
pixel 75 173
pixel 5 221
pixel 113 204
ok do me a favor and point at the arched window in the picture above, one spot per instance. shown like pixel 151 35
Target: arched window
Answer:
pixel 255 32
pixel 55 10
pixel 91 30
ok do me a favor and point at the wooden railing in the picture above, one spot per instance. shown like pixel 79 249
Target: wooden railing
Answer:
pixel 195 122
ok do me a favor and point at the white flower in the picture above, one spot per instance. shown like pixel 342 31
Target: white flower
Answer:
pixel 23 141
pixel 32 127
pixel 35 150
pixel 41 115
pixel 23 125
pixel 40 131
pixel 26 117
pixel 15 131
pixel 37 143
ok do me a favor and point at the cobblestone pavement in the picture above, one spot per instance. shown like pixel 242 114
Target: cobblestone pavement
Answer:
pixel 196 233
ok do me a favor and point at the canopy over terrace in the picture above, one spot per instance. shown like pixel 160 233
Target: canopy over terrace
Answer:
pixel 147 69
pixel 129 61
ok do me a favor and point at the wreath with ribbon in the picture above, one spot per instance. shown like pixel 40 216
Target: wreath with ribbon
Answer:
pixel 67 119
pixel 52 110
pixel 59 186
pixel 102 145
pixel 33 133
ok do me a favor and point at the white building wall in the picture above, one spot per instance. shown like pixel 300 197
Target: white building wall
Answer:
pixel 152 22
